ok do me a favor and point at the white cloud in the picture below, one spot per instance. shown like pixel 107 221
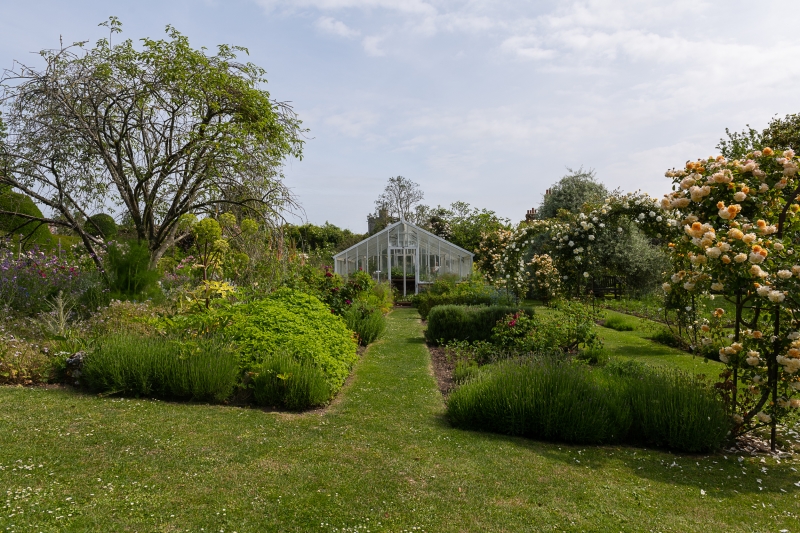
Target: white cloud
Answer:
pixel 336 27
pixel 353 123
pixel 400 6
pixel 371 45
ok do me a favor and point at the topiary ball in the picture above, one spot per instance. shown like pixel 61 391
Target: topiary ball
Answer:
pixel 104 226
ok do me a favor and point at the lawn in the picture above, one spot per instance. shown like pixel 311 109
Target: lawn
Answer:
pixel 635 345
pixel 381 458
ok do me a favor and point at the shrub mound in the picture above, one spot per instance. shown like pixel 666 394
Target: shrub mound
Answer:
pixel 458 323
pixel 554 399
pixel 33 233
pixel 101 225
pixel 296 323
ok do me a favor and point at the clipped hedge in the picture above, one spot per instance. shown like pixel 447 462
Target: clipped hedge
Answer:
pixel 425 301
pixel 461 323
pixel 289 321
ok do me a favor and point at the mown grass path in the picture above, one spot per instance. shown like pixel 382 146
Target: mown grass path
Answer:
pixel 382 458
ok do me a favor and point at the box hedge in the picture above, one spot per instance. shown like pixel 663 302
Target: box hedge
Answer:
pixel 463 323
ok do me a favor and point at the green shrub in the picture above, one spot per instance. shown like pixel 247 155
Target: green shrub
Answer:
pixel 666 337
pixel 290 322
pixel 454 322
pixel 366 321
pixel 464 370
pixel 282 381
pixel 156 366
pixel 101 225
pixel 426 301
pixel 448 291
pixel 545 398
pixel 671 409
pixel 567 327
pixel 619 323
pixel 33 233
pixel 128 267
pixel 552 399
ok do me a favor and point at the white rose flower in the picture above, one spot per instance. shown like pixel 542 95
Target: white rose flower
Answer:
pixel 776 296
pixel 740 258
pixel 764 417
pixel 739 196
pixel 713 252
pixel 784 274
pixel 717 286
pixel 585 274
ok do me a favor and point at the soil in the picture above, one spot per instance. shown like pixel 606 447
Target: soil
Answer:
pixel 442 369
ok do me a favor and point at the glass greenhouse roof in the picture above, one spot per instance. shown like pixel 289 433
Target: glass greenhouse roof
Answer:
pixel 406 255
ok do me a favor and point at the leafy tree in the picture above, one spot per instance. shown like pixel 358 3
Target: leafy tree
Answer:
pixel 399 198
pixel 572 192
pixel 326 238
pixel 461 224
pixel 780 133
pixel 161 131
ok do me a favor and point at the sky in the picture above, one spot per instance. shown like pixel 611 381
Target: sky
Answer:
pixel 487 102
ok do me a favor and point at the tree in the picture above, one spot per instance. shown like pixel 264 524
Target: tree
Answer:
pixel 780 133
pixel 572 192
pixel 399 198
pixel 461 224
pixel 160 131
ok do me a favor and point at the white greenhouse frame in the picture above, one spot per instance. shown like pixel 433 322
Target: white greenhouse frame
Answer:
pixel 408 250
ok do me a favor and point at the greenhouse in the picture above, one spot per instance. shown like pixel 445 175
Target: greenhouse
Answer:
pixel 407 256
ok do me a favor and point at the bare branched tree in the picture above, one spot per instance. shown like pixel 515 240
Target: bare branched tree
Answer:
pixel 399 197
pixel 160 132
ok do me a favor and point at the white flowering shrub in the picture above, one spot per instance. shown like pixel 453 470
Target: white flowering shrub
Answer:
pixel 572 246
pixel 740 223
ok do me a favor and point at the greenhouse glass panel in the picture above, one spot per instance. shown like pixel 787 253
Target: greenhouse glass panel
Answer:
pixel 407 256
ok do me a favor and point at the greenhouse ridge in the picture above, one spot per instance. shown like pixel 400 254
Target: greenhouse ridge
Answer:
pixel 405 255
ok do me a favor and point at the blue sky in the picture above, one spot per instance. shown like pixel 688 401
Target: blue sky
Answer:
pixel 479 101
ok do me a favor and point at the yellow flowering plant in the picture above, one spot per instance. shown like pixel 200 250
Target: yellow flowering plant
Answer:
pixel 739 227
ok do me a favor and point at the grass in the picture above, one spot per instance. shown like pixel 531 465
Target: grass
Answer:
pixel 635 345
pixel 381 458
pixel 620 323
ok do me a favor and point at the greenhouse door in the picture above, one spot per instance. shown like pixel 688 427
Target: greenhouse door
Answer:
pixel 404 269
